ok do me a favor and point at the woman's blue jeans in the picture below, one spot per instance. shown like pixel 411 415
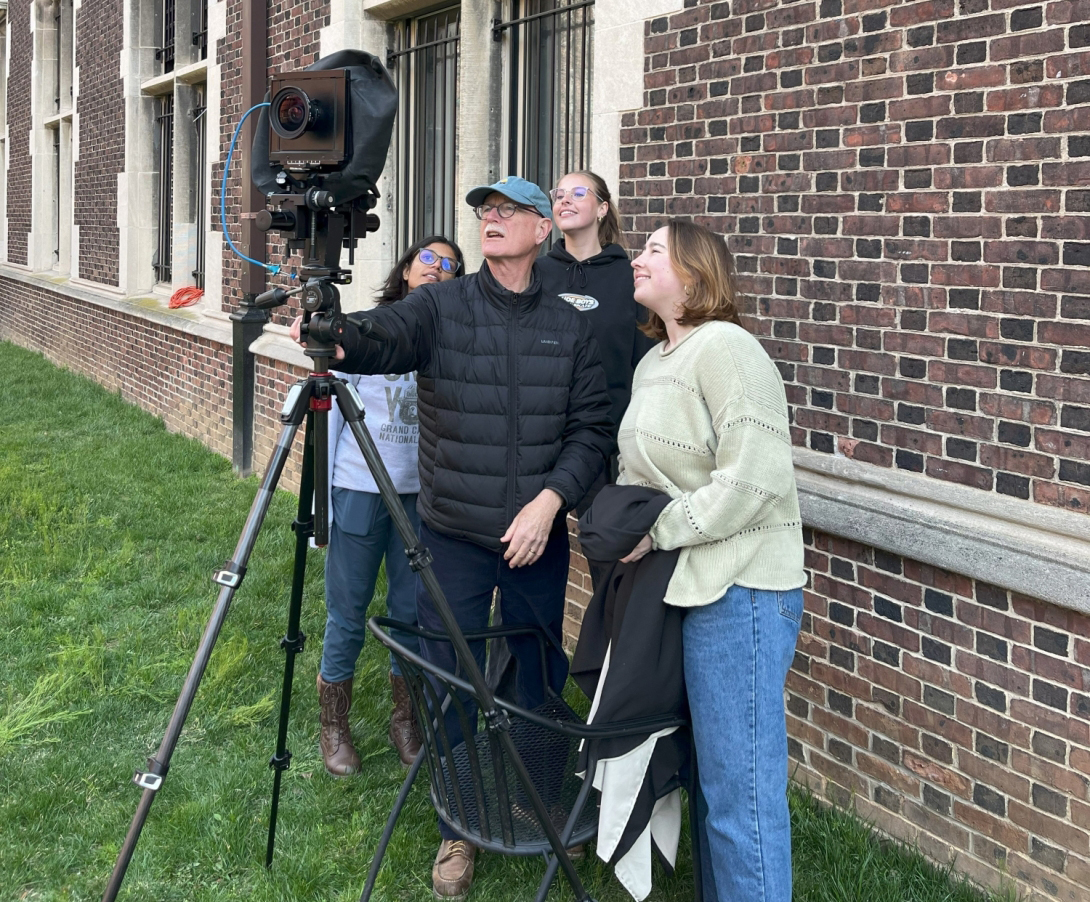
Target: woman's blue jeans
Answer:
pixel 362 535
pixel 737 654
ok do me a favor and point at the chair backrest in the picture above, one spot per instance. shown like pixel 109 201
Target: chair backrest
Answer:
pixel 474 787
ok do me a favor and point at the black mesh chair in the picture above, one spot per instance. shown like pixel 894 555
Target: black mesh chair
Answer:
pixel 476 785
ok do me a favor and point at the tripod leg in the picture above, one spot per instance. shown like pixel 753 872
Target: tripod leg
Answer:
pixel 294 639
pixel 229 578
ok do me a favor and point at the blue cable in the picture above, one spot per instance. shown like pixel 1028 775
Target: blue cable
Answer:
pixel 274 269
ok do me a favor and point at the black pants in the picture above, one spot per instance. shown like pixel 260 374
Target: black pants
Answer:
pixel 468 575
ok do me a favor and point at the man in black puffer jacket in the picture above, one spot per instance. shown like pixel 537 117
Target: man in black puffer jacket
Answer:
pixel 515 427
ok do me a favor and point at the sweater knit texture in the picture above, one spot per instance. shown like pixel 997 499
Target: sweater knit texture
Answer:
pixel 708 425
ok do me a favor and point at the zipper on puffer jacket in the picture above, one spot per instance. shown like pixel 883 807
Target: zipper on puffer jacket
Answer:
pixel 512 410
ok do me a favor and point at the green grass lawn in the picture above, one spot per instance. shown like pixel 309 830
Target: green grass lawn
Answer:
pixel 110 529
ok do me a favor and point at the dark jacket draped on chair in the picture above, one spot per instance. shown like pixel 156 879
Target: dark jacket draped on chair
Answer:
pixel 629 661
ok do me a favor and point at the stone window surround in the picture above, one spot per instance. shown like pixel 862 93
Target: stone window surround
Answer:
pixel 53 129
pixel 190 75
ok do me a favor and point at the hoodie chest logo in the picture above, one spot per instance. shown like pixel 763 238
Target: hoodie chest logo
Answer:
pixel 580 301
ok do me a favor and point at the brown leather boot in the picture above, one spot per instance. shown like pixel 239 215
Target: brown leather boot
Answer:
pixel 335 738
pixel 452 874
pixel 403 732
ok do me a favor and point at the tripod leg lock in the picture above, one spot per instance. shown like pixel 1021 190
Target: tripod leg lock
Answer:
pixel 419 558
pixel 280 761
pixel 230 576
pixel 152 778
pixel 296 645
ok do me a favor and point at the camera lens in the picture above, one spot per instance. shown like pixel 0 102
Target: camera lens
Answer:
pixel 292 113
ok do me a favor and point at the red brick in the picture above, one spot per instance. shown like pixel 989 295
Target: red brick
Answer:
pixel 1050 720
pixel 1025 97
pixel 939 724
pixel 878 720
pixel 887 773
pixel 949 631
pixel 929 202
pixel 891 678
pixel 1018 461
pixel 1026 45
pixel 1010 150
pixel 967 227
pixel 937 775
pixel 912 392
pixel 959 472
pixel 1012 407
pixel 1063 443
pixel 999 829
pixel 963 178
pixel 1068 65
pixel 971 79
pixel 1022 201
pixel 1072 839
pixel 1048 667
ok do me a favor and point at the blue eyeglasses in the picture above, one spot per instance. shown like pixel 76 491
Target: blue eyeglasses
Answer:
pixel 447 264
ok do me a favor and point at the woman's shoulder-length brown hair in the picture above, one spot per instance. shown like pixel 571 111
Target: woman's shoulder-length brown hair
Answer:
pixel 704 264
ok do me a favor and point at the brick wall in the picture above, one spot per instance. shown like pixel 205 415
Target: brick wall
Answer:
pixel 182 378
pixel 18 110
pixel 101 109
pixel 904 185
pixel 952 713
pixel 904 188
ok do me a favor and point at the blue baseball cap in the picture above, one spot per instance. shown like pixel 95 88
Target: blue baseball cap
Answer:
pixel 514 188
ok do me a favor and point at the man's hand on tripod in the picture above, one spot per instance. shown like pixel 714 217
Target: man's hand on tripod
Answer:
pixel 296 333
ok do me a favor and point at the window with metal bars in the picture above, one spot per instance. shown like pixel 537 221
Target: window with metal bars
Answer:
pixel 165 54
pixel 200 121
pixel 56 193
pixel 551 58
pixel 200 37
pixel 62 67
pixel 164 121
pixel 425 66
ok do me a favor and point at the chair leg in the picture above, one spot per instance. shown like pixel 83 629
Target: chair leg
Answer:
pixel 553 861
pixel 391 821
pixel 694 833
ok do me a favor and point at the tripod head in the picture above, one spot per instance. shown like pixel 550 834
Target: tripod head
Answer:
pixel 319 229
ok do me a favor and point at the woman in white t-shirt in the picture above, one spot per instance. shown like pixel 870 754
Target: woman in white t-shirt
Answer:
pixel 361 532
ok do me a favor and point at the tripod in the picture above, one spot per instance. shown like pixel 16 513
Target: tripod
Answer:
pixel 311 400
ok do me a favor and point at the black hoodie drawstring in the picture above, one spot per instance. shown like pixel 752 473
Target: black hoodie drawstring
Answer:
pixel 576 268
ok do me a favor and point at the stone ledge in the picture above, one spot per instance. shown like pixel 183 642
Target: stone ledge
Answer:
pixel 1039 551
pixel 209 324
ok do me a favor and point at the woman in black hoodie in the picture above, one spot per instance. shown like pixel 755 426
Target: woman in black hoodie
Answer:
pixel 590 270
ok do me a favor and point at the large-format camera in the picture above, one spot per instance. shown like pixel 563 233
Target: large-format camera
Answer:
pixel 318 152
pixel 309 120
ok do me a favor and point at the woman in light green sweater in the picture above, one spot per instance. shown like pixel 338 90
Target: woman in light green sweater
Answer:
pixel 708 425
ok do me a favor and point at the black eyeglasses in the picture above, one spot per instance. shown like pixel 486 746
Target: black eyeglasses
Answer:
pixel 506 210
pixel 447 264
pixel 578 192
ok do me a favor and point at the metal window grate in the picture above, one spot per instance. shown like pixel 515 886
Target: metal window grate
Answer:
pixel 551 55
pixel 56 195
pixel 200 38
pixel 165 122
pixel 200 124
pixel 427 78
pixel 58 24
pixel 166 53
